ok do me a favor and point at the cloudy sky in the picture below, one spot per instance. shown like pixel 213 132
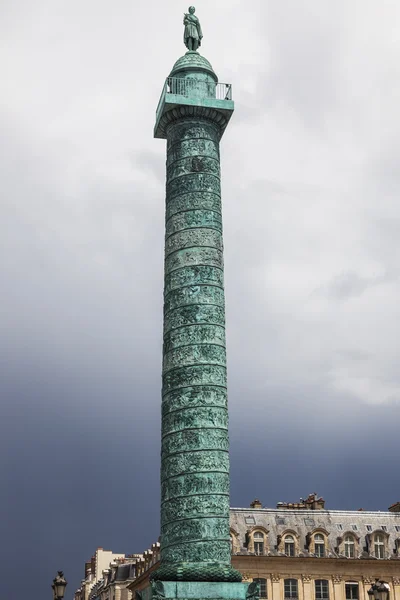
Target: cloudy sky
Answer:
pixel 311 182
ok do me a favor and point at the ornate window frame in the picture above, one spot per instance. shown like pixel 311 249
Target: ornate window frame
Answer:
pixel 282 540
pixel 311 540
pixel 372 540
pixel 250 538
pixel 341 543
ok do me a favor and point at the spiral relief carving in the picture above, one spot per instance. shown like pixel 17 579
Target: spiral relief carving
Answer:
pixel 195 460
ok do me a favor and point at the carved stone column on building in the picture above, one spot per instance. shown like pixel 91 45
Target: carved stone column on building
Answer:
pixel 276 586
pixel 395 585
pixel 307 591
pixel 367 581
pixel 338 587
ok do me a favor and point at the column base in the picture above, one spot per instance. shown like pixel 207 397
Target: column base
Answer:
pixel 210 572
pixel 198 590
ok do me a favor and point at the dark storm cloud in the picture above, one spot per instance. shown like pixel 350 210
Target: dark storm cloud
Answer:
pixel 310 193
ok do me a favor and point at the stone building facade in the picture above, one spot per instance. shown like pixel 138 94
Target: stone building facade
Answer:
pixel 112 581
pixel 300 551
pixel 296 551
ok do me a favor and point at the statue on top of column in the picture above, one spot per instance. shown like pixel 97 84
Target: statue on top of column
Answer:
pixel 193 34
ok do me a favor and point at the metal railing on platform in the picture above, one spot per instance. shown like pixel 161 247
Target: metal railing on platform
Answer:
pixel 194 88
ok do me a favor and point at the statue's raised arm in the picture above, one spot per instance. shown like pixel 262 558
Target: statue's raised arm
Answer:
pixel 193 35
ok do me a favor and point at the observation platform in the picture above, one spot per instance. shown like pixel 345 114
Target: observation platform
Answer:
pixel 193 92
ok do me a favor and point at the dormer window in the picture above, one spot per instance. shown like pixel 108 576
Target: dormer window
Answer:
pixel 289 545
pixel 379 546
pixel 257 541
pixel 258 537
pixel 319 545
pixel 349 546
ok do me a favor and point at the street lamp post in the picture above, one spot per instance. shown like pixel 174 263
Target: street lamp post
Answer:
pixel 379 590
pixel 58 586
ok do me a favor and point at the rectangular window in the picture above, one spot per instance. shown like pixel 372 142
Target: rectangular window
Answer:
pixel 322 589
pixel 259 548
pixel 354 527
pixel 397 527
pixel 384 528
pixel 280 521
pixel 369 527
pixel 379 551
pixel 291 589
pixel 351 591
pixel 289 548
pixel 250 520
pixel 309 522
pixel 339 526
pixel 262 585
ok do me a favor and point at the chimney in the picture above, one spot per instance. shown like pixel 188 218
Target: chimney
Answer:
pixel 315 503
pixel 395 507
pixel 256 504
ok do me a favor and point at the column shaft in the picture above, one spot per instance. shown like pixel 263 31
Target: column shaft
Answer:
pixel 195 460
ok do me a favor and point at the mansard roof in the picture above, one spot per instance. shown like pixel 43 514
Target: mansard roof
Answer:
pixel 306 522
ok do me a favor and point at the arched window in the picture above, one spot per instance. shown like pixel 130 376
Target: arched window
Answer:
pixel 319 543
pixel 321 589
pixel 289 547
pixel 349 546
pixel 379 546
pixel 258 537
pixel 291 589
pixel 263 586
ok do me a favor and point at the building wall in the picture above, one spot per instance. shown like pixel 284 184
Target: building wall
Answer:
pixel 102 561
pixel 306 570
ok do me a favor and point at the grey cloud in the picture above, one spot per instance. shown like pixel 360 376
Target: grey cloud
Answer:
pixel 350 284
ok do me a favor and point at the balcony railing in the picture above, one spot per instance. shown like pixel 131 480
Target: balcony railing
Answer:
pixel 194 88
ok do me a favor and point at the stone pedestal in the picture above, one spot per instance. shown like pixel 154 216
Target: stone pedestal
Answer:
pixel 195 590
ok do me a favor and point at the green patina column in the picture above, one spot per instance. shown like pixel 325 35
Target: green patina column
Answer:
pixel 192 114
